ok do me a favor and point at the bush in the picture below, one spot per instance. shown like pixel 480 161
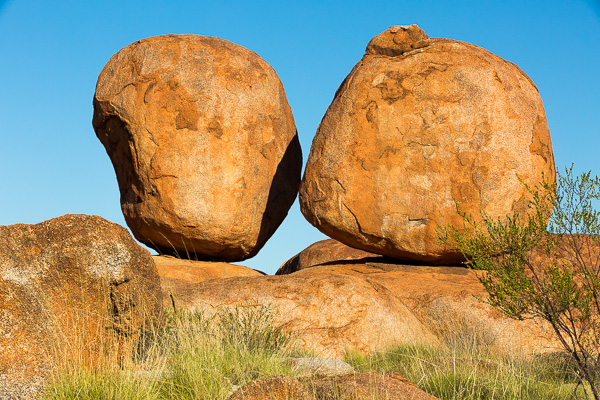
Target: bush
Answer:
pixel 545 264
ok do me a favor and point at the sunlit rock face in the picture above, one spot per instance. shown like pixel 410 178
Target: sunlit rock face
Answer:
pixel 419 126
pixel 203 143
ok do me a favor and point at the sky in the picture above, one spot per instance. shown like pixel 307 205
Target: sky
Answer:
pixel 51 53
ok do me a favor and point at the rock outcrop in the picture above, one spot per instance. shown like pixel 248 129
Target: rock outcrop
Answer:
pixel 176 274
pixel 419 126
pixel 363 386
pixel 203 143
pixel 372 304
pixel 323 252
pixel 74 291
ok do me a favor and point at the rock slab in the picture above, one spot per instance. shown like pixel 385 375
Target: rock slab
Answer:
pixel 362 386
pixel 419 126
pixel 74 291
pixel 372 304
pixel 203 143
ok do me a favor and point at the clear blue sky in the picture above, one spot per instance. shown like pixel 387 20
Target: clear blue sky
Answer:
pixel 51 53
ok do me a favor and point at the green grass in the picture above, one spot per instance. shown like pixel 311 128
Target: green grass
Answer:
pixel 208 357
pixel 452 375
pixel 195 357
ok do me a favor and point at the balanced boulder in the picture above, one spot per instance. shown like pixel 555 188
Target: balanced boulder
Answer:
pixel 203 143
pixel 419 126
pixel 75 291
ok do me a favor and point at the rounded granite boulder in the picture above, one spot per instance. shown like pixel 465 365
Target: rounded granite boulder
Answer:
pixel 203 143
pixel 419 126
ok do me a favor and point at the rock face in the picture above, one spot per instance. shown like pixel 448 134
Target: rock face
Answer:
pixel 203 143
pixel 373 303
pixel 280 387
pixel 418 126
pixel 75 290
pixel 323 252
pixel 176 274
pixel 363 386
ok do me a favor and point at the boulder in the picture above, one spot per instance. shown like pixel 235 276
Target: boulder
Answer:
pixel 323 252
pixel 74 291
pixel 419 126
pixel 203 143
pixel 280 387
pixel 176 274
pixel 368 306
pixel 365 386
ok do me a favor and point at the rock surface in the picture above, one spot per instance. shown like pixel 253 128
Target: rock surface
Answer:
pixel 74 290
pixel 323 252
pixel 280 387
pixel 418 126
pixel 203 143
pixel 316 365
pixel 370 306
pixel 176 274
pixel 363 386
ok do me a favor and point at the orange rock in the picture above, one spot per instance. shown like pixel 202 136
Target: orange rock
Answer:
pixel 75 291
pixel 176 274
pixel 372 304
pixel 280 387
pixel 363 386
pixel 418 126
pixel 323 252
pixel 203 143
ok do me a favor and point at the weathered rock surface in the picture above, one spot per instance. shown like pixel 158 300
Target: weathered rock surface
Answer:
pixel 317 365
pixel 418 126
pixel 363 386
pixel 74 290
pixel 176 274
pixel 280 387
pixel 370 306
pixel 203 143
pixel 323 252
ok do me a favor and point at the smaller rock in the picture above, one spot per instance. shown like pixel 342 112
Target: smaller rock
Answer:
pixel 317 365
pixel 363 386
pixel 325 252
pixel 280 387
pixel 397 40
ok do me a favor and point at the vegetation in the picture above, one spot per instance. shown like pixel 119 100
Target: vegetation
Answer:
pixel 195 357
pixel 545 264
pixel 208 357
pixel 452 374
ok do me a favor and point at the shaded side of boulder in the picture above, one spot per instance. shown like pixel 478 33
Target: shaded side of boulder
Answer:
pixel 74 291
pixel 203 143
pixel 418 126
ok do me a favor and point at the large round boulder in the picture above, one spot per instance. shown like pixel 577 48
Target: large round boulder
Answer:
pixel 75 292
pixel 203 143
pixel 419 126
